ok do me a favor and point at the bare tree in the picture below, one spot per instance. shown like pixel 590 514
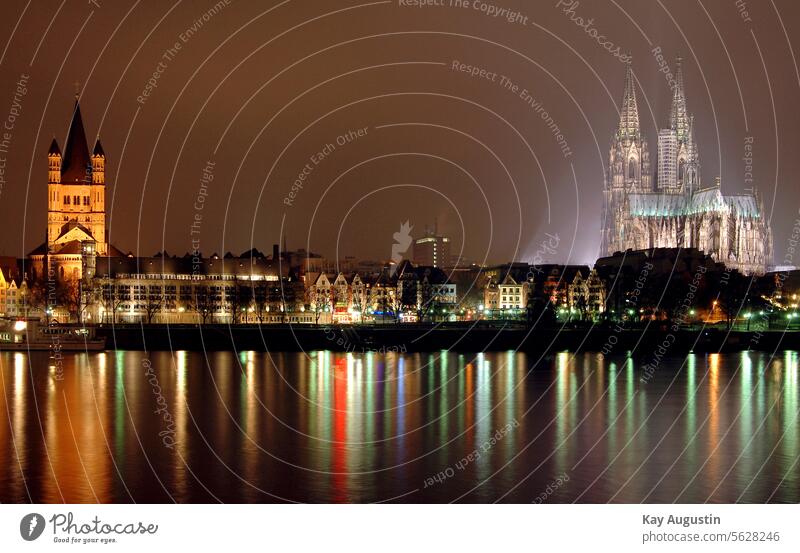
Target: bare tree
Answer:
pixel 239 297
pixel 153 301
pixel 204 302
pixel 260 295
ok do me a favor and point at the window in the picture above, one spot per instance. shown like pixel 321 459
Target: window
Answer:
pixel 86 200
pixel 632 168
pixel 76 200
pixel 66 200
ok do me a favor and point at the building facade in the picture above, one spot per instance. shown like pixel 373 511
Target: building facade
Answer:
pixel 676 210
pixel 432 250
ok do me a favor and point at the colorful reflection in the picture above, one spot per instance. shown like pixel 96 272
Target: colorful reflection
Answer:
pixel 443 426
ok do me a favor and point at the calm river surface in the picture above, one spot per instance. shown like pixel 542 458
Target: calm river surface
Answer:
pixel 330 427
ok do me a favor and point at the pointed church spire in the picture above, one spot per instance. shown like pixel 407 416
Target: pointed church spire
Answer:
pixel 678 118
pixel 629 113
pixel 77 164
pixel 54 149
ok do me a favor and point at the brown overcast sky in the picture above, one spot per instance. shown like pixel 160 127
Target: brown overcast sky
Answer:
pixel 260 87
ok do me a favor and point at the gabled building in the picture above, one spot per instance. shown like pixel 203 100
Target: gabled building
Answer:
pixel 383 301
pixel 587 295
pixel 513 295
pixel 425 293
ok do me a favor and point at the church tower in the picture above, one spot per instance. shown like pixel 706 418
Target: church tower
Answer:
pixel 76 190
pixel 629 158
pixel 678 158
pixel 628 168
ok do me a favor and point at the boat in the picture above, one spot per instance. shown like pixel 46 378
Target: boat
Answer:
pixel 18 334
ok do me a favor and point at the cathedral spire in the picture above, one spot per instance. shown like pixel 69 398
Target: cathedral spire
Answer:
pixel 678 118
pixel 629 113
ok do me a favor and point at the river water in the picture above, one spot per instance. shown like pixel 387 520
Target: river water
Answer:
pixel 439 427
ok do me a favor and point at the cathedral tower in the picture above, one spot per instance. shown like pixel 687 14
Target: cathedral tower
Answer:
pixel 629 159
pixel 628 166
pixel 678 159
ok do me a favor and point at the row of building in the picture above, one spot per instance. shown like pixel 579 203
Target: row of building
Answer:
pixel 256 288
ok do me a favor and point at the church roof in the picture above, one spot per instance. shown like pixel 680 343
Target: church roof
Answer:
pixel 113 251
pixel 744 204
pixel 68 226
pixel 77 164
pixel 54 149
pixel 709 200
pixel 657 205
pixel 73 247
pixel 41 249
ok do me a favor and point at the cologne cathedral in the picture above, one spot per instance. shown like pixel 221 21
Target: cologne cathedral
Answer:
pixel 667 206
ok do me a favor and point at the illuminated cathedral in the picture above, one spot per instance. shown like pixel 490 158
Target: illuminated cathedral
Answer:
pixel 667 206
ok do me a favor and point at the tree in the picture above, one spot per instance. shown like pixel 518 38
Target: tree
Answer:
pixel 260 300
pixel 317 301
pixel 540 312
pixel 112 297
pixel 733 296
pixel 37 295
pixel 239 296
pixel 71 295
pixel 153 301
pixel 358 302
pixel 334 297
pixel 204 302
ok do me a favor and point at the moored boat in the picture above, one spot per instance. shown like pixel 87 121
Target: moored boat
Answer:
pixel 34 335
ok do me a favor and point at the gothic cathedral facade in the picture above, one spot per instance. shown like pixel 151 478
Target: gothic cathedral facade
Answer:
pixel 667 206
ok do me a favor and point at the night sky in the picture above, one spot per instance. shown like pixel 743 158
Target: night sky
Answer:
pixel 256 90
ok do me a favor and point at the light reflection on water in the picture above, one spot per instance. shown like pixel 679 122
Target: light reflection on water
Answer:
pixel 345 427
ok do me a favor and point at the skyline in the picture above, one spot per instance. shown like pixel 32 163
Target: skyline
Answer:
pixel 152 182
